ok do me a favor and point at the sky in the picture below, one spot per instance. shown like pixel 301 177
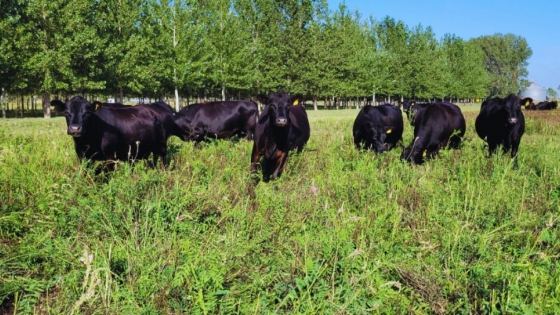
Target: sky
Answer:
pixel 538 21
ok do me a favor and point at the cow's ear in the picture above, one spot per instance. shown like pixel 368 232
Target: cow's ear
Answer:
pixel 59 106
pixel 95 105
pixel 526 101
pixel 263 98
pixel 296 100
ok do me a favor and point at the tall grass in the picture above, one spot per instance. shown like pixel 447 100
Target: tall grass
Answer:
pixel 341 232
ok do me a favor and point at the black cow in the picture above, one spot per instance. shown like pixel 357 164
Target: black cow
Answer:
pixel 440 125
pixel 531 106
pixel 166 116
pixel 413 109
pixel 378 128
pixel 501 122
pixel 282 126
pixel 98 104
pixel 218 120
pixel 124 134
pixel 547 105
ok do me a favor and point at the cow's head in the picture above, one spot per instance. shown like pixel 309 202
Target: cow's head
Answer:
pixel 512 105
pixel 77 111
pixel 409 109
pixel 414 154
pixel 529 105
pixel 407 105
pixel 185 128
pixel 279 105
pixel 378 135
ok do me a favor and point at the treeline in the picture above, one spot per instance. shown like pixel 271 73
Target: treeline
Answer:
pixel 237 48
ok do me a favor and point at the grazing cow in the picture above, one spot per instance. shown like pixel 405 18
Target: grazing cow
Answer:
pixel 542 105
pixel 282 126
pixel 413 110
pixel 547 105
pixel 105 134
pixel 501 122
pixel 441 125
pixel 218 120
pixel 378 128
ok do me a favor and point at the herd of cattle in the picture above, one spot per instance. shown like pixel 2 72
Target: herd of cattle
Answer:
pixel 109 131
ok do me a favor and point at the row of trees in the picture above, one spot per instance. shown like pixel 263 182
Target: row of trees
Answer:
pixel 238 48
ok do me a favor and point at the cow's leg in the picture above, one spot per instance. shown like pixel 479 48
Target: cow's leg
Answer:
pixel 514 149
pixel 357 143
pixel 256 155
pixel 250 126
pixel 492 145
pixel 281 158
pixel 161 152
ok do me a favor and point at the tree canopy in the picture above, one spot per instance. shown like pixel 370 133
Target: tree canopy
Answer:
pixel 239 48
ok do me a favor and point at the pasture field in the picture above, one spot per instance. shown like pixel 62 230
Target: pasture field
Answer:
pixel 341 232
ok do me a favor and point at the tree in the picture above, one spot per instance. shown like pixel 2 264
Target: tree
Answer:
pixel 392 41
pixel 506 61
pixel 551 93
pixel 424 65
pixel 465 75
pixel 10 60
pixel 119 23
pixel 60 48
pixel 230 62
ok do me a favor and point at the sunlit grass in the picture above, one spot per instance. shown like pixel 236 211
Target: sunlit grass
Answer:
pixel 341 231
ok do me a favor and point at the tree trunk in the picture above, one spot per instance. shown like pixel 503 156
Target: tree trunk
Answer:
pixel 315 103
pixel 176 100
pixel 46 105
pixel 121 95
pixel 3 104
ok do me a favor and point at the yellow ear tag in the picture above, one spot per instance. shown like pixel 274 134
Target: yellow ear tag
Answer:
pixel 96 106
pixel 412 104
pixel 296 102
pixel 527 103
pixel 425 153
pixel 389 131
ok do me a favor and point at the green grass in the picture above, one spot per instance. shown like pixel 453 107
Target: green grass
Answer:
pixel 341 232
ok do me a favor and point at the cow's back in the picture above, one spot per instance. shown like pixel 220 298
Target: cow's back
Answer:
pixel 220 119
pixel 300 124
pixel 128 133
pixel 441 123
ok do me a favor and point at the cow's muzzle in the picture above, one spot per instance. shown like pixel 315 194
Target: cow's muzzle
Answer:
pixel 281 122
pixel 75 130
pixel 512 121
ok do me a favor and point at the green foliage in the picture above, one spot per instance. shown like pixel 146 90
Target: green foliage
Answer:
pixel 466 74
pixel 551 93
pixel 505 60
pixel 341 231
pixel 239 48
